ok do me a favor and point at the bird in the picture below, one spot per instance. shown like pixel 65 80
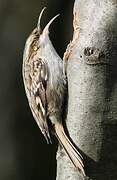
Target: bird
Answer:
pixel 45 87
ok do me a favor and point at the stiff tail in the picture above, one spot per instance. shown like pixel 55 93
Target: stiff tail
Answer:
pixel 72 152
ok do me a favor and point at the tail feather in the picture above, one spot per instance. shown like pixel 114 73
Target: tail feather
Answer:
pixel 72 152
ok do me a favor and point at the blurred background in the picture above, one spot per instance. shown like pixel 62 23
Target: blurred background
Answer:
pixel 24 154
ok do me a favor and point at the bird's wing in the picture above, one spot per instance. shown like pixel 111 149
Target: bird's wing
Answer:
pixel 36 93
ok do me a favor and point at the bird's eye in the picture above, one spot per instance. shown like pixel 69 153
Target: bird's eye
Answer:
pixel 35 48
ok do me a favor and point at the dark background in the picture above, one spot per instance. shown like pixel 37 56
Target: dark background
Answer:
pixel 24 154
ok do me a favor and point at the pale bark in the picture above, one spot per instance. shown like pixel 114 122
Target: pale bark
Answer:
pixel 92 91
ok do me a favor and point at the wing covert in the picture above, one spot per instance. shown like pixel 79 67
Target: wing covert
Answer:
pixel 36 93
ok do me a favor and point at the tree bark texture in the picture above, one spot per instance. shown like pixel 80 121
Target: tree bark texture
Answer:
pixel 91 59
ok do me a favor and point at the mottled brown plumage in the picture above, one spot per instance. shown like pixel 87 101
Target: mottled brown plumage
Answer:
pixel 45 85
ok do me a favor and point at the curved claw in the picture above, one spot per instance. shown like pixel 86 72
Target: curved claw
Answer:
pixel 39 19
pixel 46 29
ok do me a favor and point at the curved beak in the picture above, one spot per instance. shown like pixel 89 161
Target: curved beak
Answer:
pixel 46 29
pixel 39 19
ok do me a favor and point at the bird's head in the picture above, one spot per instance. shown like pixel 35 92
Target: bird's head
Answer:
pixel 38 38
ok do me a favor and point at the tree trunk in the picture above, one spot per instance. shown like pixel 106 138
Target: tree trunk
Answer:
pixel 91 60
